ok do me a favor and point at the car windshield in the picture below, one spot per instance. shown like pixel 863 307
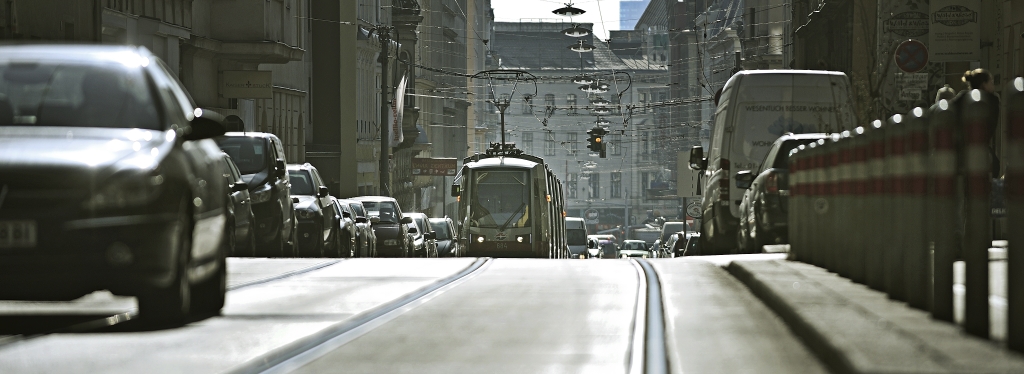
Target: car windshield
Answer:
pixel 385 210
pixel 576 236
pixel 420 224
pixel 633 246
pixel 301 182
pixel 76 95
pixel 247 152
pixel 358 209
pixel 441 229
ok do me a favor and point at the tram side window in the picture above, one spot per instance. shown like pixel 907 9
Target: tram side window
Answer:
pixel 501 199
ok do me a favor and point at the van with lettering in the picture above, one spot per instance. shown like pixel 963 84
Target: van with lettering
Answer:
pixel 755 108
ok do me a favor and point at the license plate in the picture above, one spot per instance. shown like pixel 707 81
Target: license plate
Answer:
pixel 17 234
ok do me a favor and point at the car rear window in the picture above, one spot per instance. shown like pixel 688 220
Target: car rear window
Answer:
pixel 248 152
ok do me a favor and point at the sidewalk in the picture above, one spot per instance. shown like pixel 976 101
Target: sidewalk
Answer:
pixel 855 329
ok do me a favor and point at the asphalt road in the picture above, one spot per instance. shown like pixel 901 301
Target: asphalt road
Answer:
pixel 422 316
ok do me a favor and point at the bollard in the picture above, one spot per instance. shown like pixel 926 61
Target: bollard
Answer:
pixel 943 121
pixel 894 208
pixel 916 259
pixel 797 201
pixel 1015 211
pixel 842 156
pixel 859 215
pixel 810 193
pixel 819 203
pixel 875 254
pixel 829 247
pixel 976 116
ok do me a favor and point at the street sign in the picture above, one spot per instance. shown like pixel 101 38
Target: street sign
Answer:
pixel 911 56
pixel 693 209
pixel 591 216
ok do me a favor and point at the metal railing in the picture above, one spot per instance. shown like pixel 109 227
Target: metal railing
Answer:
pixel 894 203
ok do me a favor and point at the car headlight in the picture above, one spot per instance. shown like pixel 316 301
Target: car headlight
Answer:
pixel 261 195
pixel 126 191
pixel 307 214
pixel 390 241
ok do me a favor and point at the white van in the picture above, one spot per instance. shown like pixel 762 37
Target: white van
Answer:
pixel 755 108
pixel 576 236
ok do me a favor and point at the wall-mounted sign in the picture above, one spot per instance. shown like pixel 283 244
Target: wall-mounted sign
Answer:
pixel 434 166
pixel 246 84
pixel 955 32
pixel 908 24
pixel 911 56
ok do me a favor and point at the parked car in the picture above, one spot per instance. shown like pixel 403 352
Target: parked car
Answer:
pixel 366 240
pixel 636 248
pixel 667 230
pixel 693 245
pixel 261 160
pixel 390 226
pixel 241 222
pixel 674 246
pixel 763 209
pixel 576 236
pixel 444 235
pixel 109 181
pixel 317 220
pixel 423 242
pixel 348 230
pixel 607 245
pixel 757 107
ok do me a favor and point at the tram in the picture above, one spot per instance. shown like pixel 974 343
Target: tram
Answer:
pixel 510 205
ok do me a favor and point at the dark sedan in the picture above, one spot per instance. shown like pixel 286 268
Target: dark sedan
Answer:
pixel 763 209
pixel 390 226
pixel 314 210
pixel 108 181
pixel 241 222
pixel 444 235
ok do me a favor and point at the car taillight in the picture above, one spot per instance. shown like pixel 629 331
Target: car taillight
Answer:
pixel 771 184
pixel 723 183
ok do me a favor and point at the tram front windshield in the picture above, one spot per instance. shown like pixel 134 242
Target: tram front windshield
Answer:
pixel 501 200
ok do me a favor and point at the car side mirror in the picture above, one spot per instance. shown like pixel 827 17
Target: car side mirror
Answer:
pixel 430 235
pixel 346 214
pixel 456 190
pixel 323 191
pixel 374 220
pixel 413 230
pixel 295 200
pixel 279 165
pixel 744 178
pixel 406 220
pixel 360 219
pixel 697 161
pixel 239 186
pixel 205 125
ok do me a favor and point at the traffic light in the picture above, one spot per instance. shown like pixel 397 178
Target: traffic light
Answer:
pixel 597 143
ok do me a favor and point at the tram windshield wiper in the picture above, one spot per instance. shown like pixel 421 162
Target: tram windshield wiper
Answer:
pixel 509 220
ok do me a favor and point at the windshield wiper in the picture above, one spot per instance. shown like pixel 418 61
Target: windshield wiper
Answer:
pixel 521 206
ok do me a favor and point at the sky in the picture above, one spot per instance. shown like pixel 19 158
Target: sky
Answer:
pixel 515 10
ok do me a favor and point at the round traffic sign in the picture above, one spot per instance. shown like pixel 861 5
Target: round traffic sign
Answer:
pixel 693 209
pixel 911 56
pixel 591 216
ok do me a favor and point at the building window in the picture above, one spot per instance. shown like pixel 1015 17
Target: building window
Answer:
pixel 527 104
pixel 615 144
pixel 528 142
pixel 549 100
pixel 644 177
pixel 595 185
pixel 570 185
pixel 549 144
pixel 616 191
pixel 572 142
pixel 645 144
pixel 570 100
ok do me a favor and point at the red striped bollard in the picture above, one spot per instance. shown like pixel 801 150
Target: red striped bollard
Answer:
pixel 859 215
pixel 976 117
pixel 1015 211
pixel 829 247
pixel 943 122
pixel 818 202
pixel 798 163
pixel 916 258
pixel 841 232
pixel 895 211
pixel 876 205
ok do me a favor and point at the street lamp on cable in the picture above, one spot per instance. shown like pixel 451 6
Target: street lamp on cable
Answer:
pixel 568 10
pixel 582 47
pixel 576 31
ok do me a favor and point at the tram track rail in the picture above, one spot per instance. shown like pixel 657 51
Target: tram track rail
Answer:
pixel 303 351
pixel 131 315
pixel 648 353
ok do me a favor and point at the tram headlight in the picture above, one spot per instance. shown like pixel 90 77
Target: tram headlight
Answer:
pixel 479 239
pixel 519 239
pixel 523 238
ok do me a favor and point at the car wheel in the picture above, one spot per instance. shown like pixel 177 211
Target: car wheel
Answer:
pixel 208 297
pixel 172 304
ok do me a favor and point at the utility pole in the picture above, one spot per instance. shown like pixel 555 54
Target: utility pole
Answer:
pixel 384 33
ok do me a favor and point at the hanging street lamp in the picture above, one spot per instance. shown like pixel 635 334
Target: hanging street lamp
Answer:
pixel 582 79
pixel 576 31
pixel 599 102
pixel 568 10
pixel 581 47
